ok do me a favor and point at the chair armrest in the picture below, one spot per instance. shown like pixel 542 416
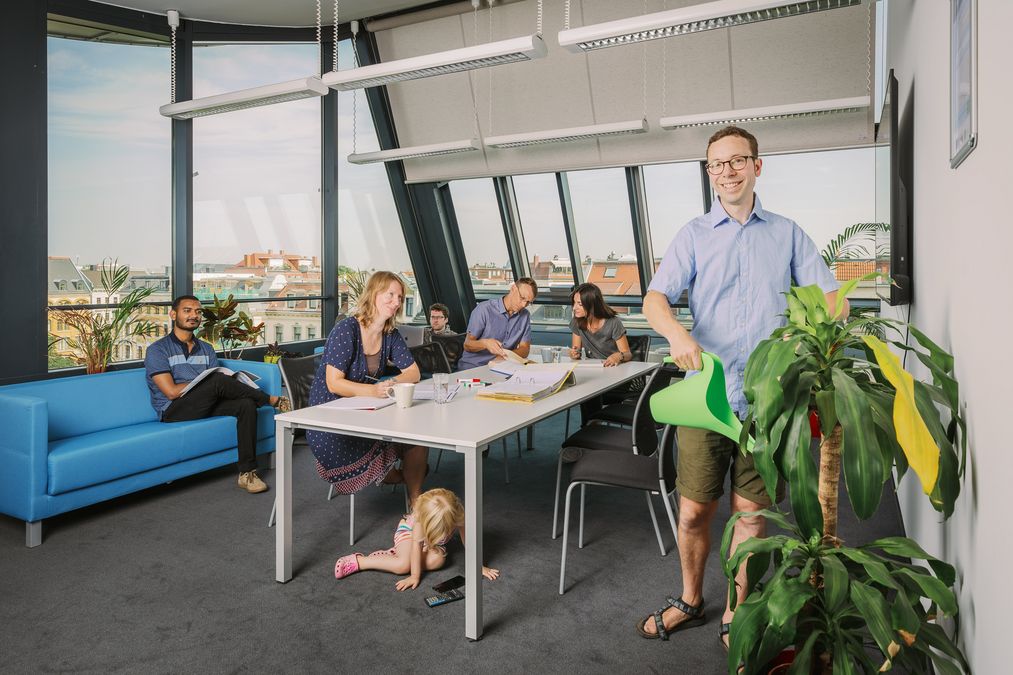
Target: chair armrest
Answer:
pixel 270 376
pixel 24 451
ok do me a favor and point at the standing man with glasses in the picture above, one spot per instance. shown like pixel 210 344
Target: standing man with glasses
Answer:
pixel 737 262
pixel 498 324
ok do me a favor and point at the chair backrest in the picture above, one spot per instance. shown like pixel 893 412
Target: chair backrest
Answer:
pixel 413 335
pixel 453 346
pixel 667 461
pixel 297 373
pixel 430 358
pixel 639 346
pixel 645 432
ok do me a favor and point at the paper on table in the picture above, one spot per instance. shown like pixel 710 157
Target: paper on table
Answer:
pixel 359 403
pixel 530 383
pixel 588 363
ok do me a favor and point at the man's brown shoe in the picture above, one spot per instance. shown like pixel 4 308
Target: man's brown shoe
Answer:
pixel 283 405
pixel 250 481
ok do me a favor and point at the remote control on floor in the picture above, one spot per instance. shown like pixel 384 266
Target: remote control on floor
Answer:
pixel 444 598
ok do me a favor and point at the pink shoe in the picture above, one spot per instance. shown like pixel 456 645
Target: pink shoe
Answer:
pixel 346 565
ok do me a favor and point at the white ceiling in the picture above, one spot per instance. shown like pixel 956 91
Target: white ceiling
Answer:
pixel 270 12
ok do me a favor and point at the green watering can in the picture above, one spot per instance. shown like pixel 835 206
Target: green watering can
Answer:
pixel 699 401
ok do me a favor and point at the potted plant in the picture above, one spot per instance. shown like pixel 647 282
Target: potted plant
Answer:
pixel 99 331
pixel 846 609
pixel 273 353
pixel 227 329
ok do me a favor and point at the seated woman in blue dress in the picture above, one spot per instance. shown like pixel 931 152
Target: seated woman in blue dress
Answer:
pixel 356 353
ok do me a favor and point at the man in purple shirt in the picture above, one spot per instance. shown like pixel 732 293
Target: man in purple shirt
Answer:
pixel 737 262
pixel 498 324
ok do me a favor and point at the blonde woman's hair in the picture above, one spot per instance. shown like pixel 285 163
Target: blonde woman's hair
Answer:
pixel 438 512
pixel 379 281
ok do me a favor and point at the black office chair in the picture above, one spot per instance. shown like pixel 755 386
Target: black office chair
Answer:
pixel 622 414
pixel 652 473
pixel 453 347
pixel 642 438
pixel 430 359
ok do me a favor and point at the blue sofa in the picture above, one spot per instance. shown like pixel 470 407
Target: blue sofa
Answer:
pixel 70 442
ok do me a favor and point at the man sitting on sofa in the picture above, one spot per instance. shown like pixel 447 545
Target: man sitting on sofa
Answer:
pixel 176 359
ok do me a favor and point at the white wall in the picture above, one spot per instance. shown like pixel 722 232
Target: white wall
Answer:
pixel 963 259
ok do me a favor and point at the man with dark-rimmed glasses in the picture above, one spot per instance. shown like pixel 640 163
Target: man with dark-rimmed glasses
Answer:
pixel 737 262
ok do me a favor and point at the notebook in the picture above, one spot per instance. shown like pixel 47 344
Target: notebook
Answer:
pixel 530 384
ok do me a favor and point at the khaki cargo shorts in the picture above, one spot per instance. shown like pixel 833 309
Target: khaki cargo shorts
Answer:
pixel 704 460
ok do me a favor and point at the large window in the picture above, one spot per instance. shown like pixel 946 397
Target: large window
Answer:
pixel 481 228
pixel 109 189
pixel 256 180
pixel 370 237
pixel 674 197
pixel 544 232
pixel 601 216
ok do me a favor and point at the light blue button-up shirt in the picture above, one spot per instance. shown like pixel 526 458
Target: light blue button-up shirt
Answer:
pixel 736 276
pixel 491 320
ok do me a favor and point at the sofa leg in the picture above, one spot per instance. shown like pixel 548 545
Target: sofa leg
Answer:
pixel 33 534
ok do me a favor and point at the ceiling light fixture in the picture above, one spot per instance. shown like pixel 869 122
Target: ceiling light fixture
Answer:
pixel 686 20
pixel 777 112
pixel 293 90
pixel 572 134
pixel 414 152
pixel 246 98
pixel 453 61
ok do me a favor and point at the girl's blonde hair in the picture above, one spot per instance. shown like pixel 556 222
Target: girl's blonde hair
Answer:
pixel 366 310
pixel 438 512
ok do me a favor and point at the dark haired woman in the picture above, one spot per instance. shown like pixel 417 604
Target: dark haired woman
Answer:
pixel 597 330
pixel 598 333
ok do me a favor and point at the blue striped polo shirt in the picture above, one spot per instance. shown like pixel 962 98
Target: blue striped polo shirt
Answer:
pixel 169 355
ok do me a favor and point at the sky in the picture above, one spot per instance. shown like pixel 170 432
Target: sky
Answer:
pixel 257 173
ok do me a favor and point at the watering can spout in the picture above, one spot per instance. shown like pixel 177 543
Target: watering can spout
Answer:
pixel 699 401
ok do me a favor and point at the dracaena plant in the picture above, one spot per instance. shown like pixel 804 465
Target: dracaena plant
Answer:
pixel 846 609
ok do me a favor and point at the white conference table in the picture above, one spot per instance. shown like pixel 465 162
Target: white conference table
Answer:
pixel 466 425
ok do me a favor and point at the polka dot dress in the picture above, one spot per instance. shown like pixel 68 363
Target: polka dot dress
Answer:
pixel 350 463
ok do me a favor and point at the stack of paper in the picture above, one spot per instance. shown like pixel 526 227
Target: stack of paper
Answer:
pixel 530 383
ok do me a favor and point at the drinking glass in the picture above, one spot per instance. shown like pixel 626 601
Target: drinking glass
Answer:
pixel 441 387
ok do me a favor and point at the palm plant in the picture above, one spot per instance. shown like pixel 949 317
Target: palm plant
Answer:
pixel 99 331
pixel 355 280
pixel 838 605
pixel 848 244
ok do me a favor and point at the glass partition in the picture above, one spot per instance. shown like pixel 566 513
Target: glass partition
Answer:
pixel 481 228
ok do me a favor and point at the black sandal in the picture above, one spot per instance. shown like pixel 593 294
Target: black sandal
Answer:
pixel 695 614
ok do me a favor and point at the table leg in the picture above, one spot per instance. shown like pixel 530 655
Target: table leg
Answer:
pixel 283 484
pixel 473 541
pixel 531 437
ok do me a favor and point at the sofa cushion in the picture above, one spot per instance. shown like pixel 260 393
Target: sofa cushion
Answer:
pixel 203 437
pixel 101 456
pixel 84 404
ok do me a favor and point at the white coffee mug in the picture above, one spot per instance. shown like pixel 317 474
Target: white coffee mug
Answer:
pixel 402 393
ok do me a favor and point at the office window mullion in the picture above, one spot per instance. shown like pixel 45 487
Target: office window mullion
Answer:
pixel 563 185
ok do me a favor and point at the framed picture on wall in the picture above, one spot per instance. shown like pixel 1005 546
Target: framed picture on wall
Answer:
pixel 963 80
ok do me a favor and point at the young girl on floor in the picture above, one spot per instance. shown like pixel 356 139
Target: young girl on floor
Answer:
pixel 419 541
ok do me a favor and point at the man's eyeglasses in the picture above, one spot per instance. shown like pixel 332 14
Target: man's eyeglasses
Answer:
pixel 738 163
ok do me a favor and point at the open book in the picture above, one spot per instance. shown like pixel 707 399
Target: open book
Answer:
pixel 244 376
pixel 529 384
pixel 514 357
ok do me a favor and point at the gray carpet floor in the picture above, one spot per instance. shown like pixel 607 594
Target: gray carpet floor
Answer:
pixel 180 579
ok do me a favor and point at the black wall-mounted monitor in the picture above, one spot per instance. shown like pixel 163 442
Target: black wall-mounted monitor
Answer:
pixel 894 179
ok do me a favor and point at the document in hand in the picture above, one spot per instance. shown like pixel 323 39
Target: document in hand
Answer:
pixel 244 376
pixel 359 403
pixel 516 358
pixel 530 384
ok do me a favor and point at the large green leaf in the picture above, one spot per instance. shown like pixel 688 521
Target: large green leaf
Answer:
pixel 786 598
pixel 802 665
pixel 904 547
pixel 874 609
pixel 934 590
pixel 827 411
pixel 748 625
pixel 874 567
pixel 861 455
pixel 902 614
pixel 947 489
pixel 835 582
pixel 802 474
pixel 797 315
pixel 935 637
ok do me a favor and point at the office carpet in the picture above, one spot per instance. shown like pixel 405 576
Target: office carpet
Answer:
pixel 180 579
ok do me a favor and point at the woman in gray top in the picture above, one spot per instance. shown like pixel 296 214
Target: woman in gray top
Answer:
pixel 597 330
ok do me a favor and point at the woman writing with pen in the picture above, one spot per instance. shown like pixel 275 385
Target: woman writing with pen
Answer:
pixel 357 350
pixel 599 332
